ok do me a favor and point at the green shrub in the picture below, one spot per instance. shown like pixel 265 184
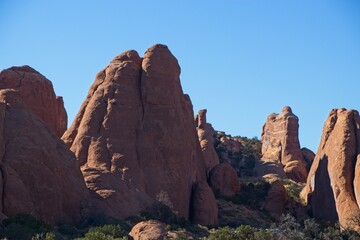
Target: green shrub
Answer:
pixel 252 194
pixel 105 232
pixel 23 226
pixel 44 236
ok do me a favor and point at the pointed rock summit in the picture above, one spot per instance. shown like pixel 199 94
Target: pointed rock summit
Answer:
pixel 135 138
pixel 38 95
pixel 280 144
pixel 333 184
pixel 39 174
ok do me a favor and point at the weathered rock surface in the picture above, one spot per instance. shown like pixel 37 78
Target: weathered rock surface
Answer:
pixel 333 183
pixel 38 95
pixel 280 143
pixel 39 174
pixel 206 138
pixel 224 180
pixel 151 230
pixel 135 138
pixel 308 156
pixel 203 201
pixel 276 200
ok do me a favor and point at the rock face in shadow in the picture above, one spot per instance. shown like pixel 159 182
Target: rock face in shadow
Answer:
pixel 332 187
pixel 280 144
pixel 135 138
pixel 39 174
pixel 38 94
pixel 206 138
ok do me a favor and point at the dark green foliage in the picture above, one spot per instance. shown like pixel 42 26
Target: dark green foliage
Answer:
pixel 104 233
pixel 22 226
pixel 243 232
pixel 244 160
pixel 252 194
pixel 44 236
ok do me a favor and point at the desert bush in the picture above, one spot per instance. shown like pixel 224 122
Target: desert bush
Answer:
pixel 44 236
pixel 23 226
pixel 253 193
pixel 104 233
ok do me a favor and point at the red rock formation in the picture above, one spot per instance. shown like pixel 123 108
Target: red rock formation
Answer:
pixel 276 200
pixel 39 174
pixel 224 180
pixel 135 136
pixel 152 230
pixel 38 95
pixel 206 138
pixel 332 187
pixel 203 199
pixel 280 143
pixel 308 156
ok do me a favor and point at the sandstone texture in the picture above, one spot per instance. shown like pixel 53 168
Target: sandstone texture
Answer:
pixel 276 200
pixel 280 143
pixel 203 200
pixel 332 188
pixel 39 174
pixel 308 156
pixel 151 230
pixel 224 180
pixel 206 138
pixel 38 95
pixel 135 137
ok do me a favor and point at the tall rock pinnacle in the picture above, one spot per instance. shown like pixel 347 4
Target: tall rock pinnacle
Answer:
pixel 135 138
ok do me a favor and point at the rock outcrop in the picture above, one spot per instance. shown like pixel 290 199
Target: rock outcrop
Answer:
pixel 202 200
pixel 280 144
pixel 224 180
pixel 39 174
pixel 276 200
pixel 333 184
pixel 308 156
pixel 38 94
pixel 151 230
pixel 206 138
pixel 135 138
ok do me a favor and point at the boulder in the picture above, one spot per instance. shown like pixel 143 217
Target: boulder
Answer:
pixel 296 171
pixel 203 202
pixel 39 174
pixel 276 200
pixel 224 180
pixel 308 156
pixel 280 143
pixel 332 187
pixel 135 138
pixel 150 230
pixel 206 138
pixel 38 95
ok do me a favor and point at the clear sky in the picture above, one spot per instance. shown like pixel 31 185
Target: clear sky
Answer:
pixel 240 59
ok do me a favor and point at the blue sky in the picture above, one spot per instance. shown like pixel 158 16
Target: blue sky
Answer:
pixel 241 60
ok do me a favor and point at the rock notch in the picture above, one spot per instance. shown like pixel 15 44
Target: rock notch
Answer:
pixel 333 184
pixel 39 174
pixel 280 144
pixel 135 138
pixel 38 95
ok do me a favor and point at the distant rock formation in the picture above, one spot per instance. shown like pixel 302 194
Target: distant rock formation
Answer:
pixel 280 144
pixel 38 95
pixel 39 174
pixel 333 184
pixel 135 138
pixel 308 156
pixel 206 138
